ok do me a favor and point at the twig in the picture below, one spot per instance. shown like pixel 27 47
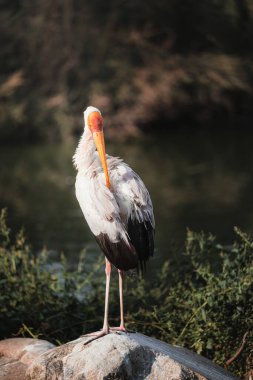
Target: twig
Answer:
pixel 26 328
pixel 235 356
pixel 190 320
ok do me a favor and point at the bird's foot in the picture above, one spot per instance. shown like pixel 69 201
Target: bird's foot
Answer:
pixel 119 329
pixel 95 335
pixel 99 334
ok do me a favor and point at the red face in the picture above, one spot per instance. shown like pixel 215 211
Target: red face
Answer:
pixel 95 122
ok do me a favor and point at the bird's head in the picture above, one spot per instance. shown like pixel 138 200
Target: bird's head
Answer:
pixel 94 122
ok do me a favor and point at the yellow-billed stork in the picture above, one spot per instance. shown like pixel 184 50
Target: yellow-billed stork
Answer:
pixel 116 206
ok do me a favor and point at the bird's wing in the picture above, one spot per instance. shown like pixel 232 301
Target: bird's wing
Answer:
pixel 136 210
pixel 102 214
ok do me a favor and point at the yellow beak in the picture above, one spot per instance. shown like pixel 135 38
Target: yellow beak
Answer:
pixel 99 141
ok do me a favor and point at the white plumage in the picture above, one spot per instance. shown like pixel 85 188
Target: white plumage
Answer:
pixel 108 210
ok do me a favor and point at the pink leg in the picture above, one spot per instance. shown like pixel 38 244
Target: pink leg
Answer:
pixel 105 330
pixel 108 269
pixel 122 325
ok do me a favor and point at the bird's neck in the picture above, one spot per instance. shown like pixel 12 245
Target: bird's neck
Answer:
pixel 85 152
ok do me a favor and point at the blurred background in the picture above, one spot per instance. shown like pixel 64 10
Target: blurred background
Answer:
pixel 174 81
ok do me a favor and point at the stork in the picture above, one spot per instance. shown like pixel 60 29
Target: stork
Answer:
pixel 116 206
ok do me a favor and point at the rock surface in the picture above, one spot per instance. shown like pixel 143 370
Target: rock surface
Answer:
pixel 17 354
pixel 115 356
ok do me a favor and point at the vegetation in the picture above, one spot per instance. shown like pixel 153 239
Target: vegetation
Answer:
pixel 206 304
pixel 164 63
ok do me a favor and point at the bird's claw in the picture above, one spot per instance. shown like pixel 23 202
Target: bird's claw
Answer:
pixel 95 335
pixel 99 334
pixel 118 329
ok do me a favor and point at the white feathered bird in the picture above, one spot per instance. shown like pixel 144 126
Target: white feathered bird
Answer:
pixel 116 206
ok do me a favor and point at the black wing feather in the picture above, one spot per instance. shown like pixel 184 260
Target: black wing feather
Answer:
pixel 122 255
pixel 126 256
pixel 141 235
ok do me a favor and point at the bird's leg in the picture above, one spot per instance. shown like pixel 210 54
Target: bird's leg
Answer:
pixel 122 325
pixel 108 269
pixel 105 330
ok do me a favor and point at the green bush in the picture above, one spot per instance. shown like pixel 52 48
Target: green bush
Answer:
pixel 33 299
pixel 205 303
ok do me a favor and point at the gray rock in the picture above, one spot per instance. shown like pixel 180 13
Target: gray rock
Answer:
pixel 112 357
pixel 17 354
pixel 185 357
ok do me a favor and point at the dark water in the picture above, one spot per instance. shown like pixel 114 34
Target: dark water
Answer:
pixel 201 180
